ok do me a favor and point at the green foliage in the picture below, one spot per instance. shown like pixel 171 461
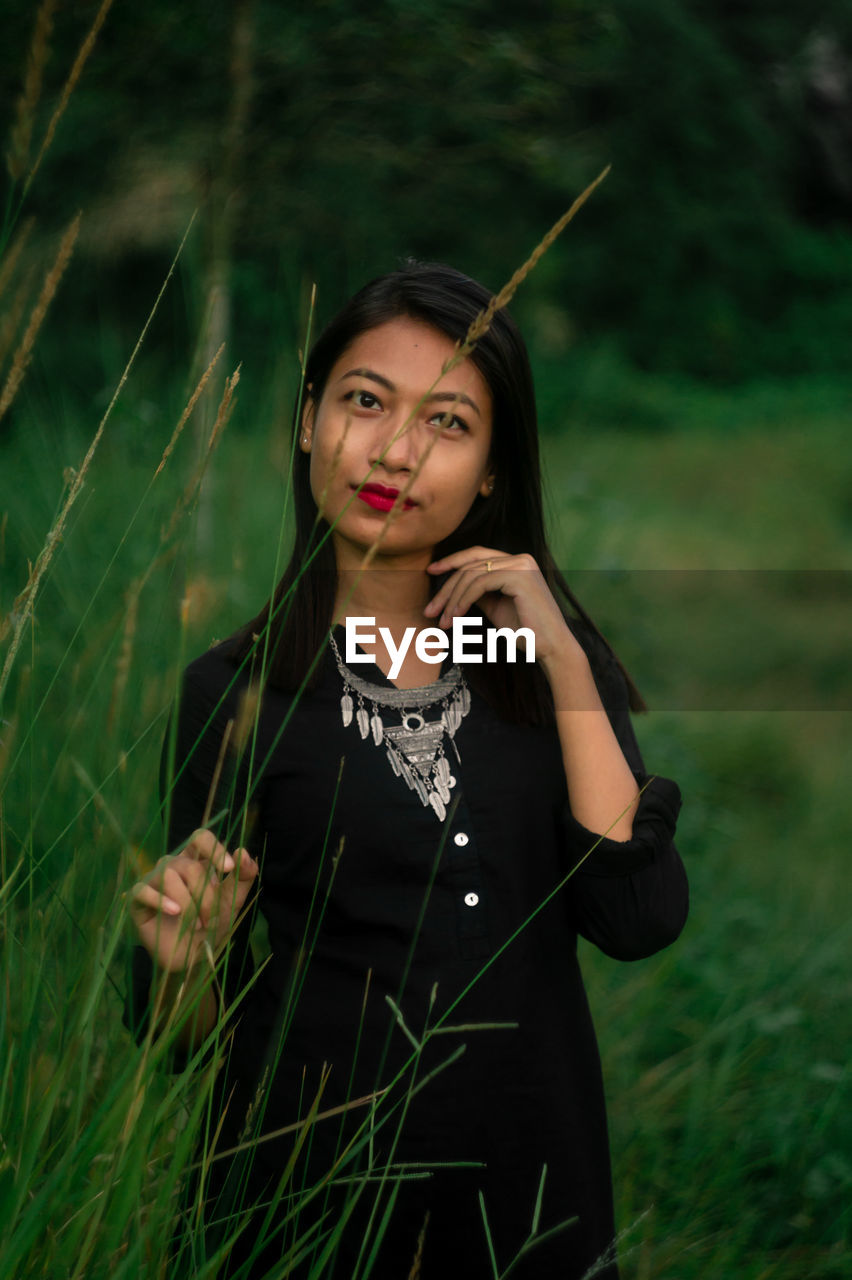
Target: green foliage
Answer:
pixel 459 134
pixel 734 1119
pixel 322 143
pixel 724 1056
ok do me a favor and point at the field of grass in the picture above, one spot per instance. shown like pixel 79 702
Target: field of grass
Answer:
pixel 710 533
pixel 725 1058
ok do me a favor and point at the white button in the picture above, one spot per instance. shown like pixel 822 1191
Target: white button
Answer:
pixel 471 899
pixel 460 838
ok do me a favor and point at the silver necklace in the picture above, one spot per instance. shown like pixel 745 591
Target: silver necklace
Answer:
pixel 415 747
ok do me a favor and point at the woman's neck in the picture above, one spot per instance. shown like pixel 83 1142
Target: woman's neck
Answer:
pixel 394 594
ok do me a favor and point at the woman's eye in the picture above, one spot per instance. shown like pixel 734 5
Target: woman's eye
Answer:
pixel 449 420
pixel 363 399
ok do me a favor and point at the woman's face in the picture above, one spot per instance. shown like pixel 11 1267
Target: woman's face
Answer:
pixel 376 386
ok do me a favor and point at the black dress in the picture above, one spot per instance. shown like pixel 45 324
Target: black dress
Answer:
pixel 367 895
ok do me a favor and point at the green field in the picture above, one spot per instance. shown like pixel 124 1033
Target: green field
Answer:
pixel 690 342
pixel 725 1057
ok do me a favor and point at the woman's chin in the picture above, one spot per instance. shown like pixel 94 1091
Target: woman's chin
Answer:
pixel 391 545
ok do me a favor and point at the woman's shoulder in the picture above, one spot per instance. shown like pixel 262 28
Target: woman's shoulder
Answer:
pixel 215 669
pixel 223 676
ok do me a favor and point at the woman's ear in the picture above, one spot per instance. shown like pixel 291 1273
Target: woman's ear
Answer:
pixel 487 486
pixel 307 428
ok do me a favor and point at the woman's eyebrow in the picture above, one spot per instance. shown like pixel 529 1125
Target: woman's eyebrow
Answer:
pixel 368 373
pixel 445 397
pixel 455 397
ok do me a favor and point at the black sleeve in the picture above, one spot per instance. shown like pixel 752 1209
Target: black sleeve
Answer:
pixel 205 707
pixel 630 898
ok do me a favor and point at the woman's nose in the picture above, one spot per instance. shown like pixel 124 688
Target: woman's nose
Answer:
pixel 395 445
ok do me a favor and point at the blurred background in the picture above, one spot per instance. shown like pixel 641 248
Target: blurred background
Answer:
pixel 324 142
pixel 690 338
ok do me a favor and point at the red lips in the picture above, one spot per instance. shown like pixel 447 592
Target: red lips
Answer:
pixel 382 498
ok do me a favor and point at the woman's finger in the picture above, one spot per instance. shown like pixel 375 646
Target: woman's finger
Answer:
pixel 458 558
pixel 466 587
pixel 203 885
pixel 236 888
pixel 443 599
pixel 146 896
pixel 175 887
pixel 195 873
pixel 462 564
pixel 204 847
pixel 233 894
pixel 245 865
pixel 477 582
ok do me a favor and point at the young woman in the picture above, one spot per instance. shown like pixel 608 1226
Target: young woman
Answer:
pixel 425 838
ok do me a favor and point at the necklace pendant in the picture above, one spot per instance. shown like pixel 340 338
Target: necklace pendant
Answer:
pixel 438 805
pixel 443 790
pixel 415 748
pixel 420 788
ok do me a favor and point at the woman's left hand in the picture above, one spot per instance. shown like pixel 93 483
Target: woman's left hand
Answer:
pixel 513 594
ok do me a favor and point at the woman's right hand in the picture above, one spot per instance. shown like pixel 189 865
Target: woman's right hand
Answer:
pixel 190 898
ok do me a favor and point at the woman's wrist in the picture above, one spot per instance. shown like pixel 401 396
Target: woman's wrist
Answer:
pixel 188 997
pixel 570 677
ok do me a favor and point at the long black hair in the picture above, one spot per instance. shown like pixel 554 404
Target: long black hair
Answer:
pixel 511 518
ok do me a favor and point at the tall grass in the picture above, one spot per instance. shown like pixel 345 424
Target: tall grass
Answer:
pixel 98 1143
pixel 725 1058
